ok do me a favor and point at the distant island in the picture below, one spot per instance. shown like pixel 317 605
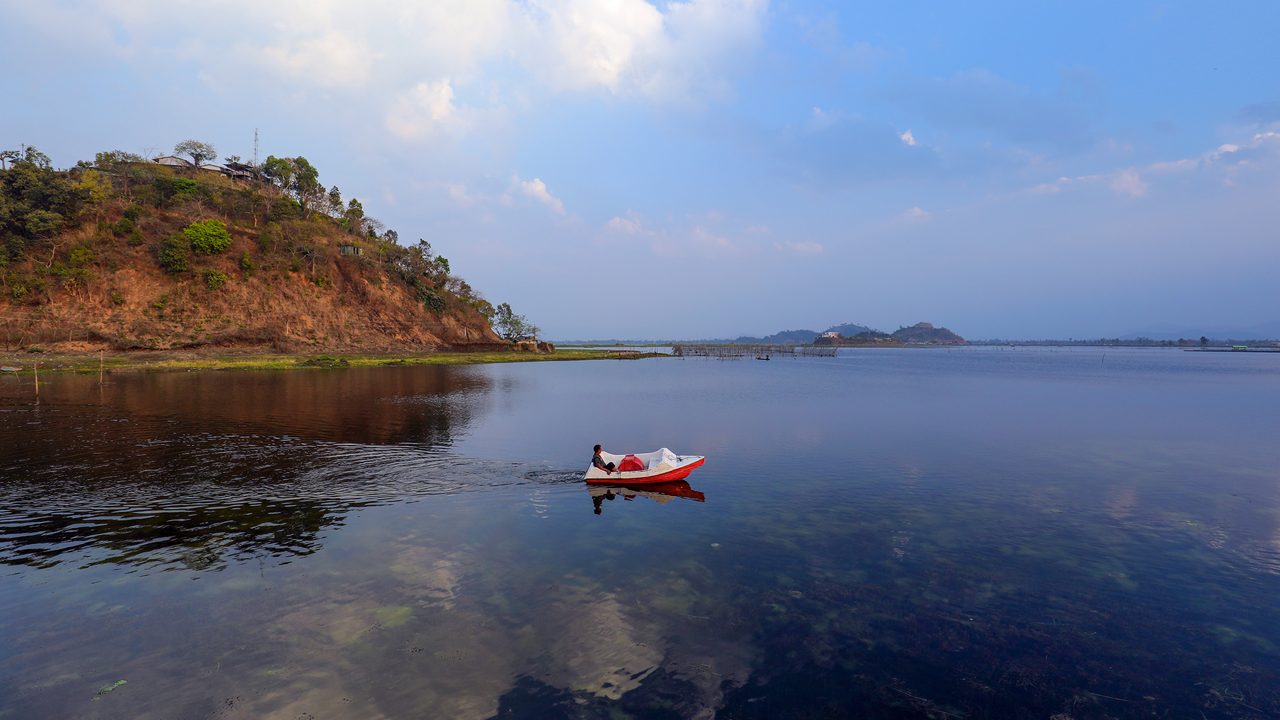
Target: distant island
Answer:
pixel 844 335
pixel 926 334
pixel 919 334
pixel 125 253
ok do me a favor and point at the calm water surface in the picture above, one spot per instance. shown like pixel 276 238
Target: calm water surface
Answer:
pixel 970 533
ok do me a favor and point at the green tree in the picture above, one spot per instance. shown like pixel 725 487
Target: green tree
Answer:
pixel 335 201
pixel 512 327
pixel 174 254
pixel 214 279
pixel 36 204
pixel 298 177
pixel 208 237
pixel 198 151
pixel 279 171
pixel 37 158
pixel 109 159
pixel 485 308
pixel 354 216
pixel 306 184
pixel 96 188
pixel 42 224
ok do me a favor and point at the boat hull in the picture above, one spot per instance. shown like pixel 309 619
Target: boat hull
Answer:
pixel 661 492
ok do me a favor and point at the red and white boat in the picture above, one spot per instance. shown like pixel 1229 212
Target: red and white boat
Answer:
pixel 659 466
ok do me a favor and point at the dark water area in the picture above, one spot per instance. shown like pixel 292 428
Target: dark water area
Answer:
pixel 964 533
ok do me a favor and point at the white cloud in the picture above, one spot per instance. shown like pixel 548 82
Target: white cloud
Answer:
pixel 1228 158
pixel 386 58
pixel 629 225
pixel 1127 182
pixel 707 242
pixel 316 41
pixel 1224 152
pixel 696 238
pixel 908 138
pixel 915 214
pixel 596 42
pixel 537 190
pixel 805 247
pixel 670 51
pixel 460 196
pixel 422 108
pixel 328 59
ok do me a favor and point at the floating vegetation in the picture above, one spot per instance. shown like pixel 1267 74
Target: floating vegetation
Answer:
pixel 105 689
pixel 392 616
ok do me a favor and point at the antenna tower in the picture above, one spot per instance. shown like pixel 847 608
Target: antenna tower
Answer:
pixel 255 147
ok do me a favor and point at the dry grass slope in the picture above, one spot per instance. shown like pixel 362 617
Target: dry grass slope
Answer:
pixel 283 285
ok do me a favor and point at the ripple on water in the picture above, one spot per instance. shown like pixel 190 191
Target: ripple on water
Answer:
pixel 236 498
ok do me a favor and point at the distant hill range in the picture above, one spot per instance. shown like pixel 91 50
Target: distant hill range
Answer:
pixel 851 334
pixel 919 334
pixel 847 334
pixel 786 337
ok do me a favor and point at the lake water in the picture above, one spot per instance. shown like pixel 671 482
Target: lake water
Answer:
pixel 964 533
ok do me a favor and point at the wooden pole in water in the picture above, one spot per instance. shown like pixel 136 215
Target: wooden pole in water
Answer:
pixel 37 369
pixel 99 367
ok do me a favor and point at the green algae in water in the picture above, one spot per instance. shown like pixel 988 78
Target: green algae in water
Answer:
pixel 393 615
pixel 110 688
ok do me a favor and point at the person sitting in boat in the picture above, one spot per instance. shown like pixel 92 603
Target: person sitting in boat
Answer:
pixel 599 462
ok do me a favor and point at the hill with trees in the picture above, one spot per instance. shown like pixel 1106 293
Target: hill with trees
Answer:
pixel 853 334
pixel 125 253
pixel 785 337
pixel 926 334
pixel 849 329
pixel 919 334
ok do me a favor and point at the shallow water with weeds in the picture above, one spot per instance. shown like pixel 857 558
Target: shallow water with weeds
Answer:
pixel 968 533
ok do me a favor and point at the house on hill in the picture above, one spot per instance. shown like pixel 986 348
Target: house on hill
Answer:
pixel 241 171
pixel 173 161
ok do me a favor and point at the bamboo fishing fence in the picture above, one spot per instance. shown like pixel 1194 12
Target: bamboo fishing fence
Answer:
pixel 758 352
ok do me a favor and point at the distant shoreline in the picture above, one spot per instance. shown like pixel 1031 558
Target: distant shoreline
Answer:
pixel 1167 344
pixel 89 363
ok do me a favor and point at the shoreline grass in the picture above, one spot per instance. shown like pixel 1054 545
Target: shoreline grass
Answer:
pixel 85 363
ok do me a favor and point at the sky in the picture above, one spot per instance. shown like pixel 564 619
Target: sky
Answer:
pixel 714 168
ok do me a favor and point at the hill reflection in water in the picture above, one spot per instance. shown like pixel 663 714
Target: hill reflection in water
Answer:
pixel 197 470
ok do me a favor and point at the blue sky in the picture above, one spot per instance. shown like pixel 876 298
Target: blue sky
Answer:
pixel 621 168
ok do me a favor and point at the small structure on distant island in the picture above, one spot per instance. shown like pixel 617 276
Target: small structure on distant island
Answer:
pixel 350 250
pixel 173 161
